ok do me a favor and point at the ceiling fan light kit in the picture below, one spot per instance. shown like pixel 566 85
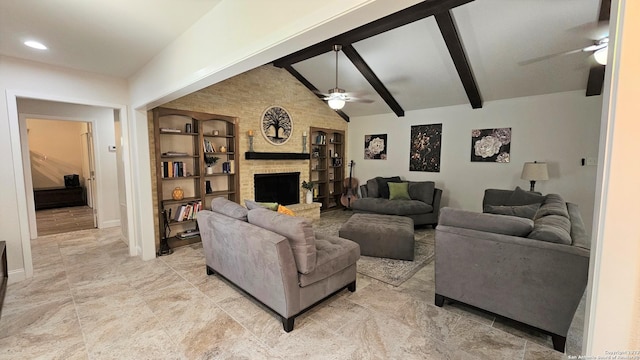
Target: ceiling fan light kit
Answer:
pixel 601 55
pixel 336 103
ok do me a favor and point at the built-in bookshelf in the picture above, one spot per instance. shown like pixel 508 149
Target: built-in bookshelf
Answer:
pixel 326 167
pixel 185 142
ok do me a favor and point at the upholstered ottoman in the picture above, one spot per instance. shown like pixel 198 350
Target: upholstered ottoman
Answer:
pixel 387 236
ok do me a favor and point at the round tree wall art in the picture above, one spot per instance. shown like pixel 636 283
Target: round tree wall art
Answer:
pixel 491 145
pixel 276 125
pixel 375 147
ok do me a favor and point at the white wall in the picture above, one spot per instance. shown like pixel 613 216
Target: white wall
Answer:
pixel 107 191
pixel 33 80
pixel 559 129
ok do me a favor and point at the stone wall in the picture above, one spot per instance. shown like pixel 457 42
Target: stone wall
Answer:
pixel 247 96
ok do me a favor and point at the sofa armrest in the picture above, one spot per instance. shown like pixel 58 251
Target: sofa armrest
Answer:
pixel 259 261
pixel 363 191
pixel 531 281
pixel 499 224
pixel 437 197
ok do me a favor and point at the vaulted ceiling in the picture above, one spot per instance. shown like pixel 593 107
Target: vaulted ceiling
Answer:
pixel 451 52
pixel 433 54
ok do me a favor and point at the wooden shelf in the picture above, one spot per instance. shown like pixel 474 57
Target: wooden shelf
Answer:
pixel 321 165
pixel 191 143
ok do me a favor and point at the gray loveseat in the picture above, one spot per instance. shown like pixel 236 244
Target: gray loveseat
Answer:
pixel 423 205
pixel 532 270
pixel 275 258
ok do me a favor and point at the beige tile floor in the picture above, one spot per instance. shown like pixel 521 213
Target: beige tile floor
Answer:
pixel 90 300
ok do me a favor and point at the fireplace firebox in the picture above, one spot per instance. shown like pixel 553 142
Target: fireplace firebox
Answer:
pixel 283 188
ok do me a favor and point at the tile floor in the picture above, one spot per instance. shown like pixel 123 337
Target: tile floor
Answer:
pixel 90 300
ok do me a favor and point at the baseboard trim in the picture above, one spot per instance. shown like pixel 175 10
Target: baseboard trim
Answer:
pixel 16 275
pixel 110 224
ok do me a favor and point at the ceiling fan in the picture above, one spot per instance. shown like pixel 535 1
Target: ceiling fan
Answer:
pixel 336 97
pixel 599 49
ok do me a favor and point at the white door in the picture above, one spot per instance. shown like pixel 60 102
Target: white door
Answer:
pixel 88 170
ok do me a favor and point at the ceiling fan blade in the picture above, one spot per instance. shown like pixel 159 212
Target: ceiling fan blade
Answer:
pixel 364 101
pixel 550 56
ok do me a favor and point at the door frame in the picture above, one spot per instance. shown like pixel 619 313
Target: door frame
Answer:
pixel 26 160
pixel 22 195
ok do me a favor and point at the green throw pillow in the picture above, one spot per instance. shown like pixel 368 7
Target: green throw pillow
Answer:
pixel 269 205
pixel 399 191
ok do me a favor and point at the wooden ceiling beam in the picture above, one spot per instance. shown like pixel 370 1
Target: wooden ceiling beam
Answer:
pixel 373 79
pixel 310 86
pixel 595 82
pixel 403 17
pixel 449 32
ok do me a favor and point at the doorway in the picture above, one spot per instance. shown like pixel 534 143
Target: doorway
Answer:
pixel 62 164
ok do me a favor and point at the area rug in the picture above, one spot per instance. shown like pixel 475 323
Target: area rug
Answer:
pixel 389 271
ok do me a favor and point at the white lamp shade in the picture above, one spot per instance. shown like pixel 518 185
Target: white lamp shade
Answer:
pixel 601 56
pixel 534 171
pixel 336 103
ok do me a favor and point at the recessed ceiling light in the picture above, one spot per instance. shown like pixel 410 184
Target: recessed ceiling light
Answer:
pixel 35 45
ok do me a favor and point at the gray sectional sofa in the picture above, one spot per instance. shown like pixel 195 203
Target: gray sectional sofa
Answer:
pixel 275 258
pixel 528 260
pixel 422 204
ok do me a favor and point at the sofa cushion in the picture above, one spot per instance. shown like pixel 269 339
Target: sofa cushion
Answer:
pixel 553 205
pixel 422 191
pixel 383 188
pixel 392 207
pixel 523 211
pixel 250 204
pixel 552 228
pixel 229 208
pixel 372 188
pixel 522 197
pixel 296 229
pixel 499 224
pixel 398 191
pixel 334 254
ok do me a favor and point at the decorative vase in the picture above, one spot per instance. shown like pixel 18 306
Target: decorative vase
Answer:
pixel 309 197
pixel 209 170
pixel 177 193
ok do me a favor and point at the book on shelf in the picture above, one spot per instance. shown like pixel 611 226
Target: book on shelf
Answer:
pixel 172 169
pixel 227 167
pixel 208 146
pixel 188 211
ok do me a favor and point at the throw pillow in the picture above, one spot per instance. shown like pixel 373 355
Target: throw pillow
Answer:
pixel 522 197
pixel 267 205
pixel 399 191
pixel 372 188
pixel 523 211
pixel 383 188
pixel 285 210
pixel 422 191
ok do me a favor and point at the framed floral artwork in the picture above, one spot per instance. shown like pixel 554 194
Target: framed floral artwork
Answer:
pixel 375 147
pixel 426 143
pixel 491 145
pixel 276 125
